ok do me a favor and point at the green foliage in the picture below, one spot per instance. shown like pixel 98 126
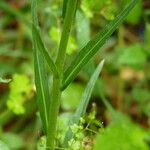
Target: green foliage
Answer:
pixel 14 141
pixel 42 88
pixel 83 132
pixel 14 12
pixel 122 135
pixel 71 96
pixel 87 52
pixel 55 36
pixel 82 29
pixel 65 2
pixel 134 56
pixel 141 96
pixel 135 15
pixel 41 145
pixel 20 89
pixel 147 35
pixel 3 146
pixel 80 111
pixel 107 8
pixel 56 52
pixel 41 48
pixel 88 5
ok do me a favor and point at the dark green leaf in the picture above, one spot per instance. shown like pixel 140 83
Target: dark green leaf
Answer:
pixel 94 45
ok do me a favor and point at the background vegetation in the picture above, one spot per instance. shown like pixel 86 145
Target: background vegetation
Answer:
pixel 119 111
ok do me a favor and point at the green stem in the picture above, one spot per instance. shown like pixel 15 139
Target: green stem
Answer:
pixel 57 81
pixel 70 13
pixel 54 110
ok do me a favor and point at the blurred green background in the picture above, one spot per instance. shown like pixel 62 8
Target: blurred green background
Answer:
pixel 123 88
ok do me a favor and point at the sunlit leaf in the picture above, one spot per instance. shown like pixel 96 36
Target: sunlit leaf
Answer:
pixel 20 88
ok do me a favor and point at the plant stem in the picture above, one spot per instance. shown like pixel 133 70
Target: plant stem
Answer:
pixel 54 110
pixel 70 13
pixel 57 81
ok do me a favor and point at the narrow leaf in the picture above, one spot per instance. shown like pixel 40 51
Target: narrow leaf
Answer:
pixel 41 81
pixel 44 52
pixel 83 103
pixel 94 45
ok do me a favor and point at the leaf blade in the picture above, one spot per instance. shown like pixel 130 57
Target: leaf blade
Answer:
pixel 44 51
pixel 41 83
pixel 84 102
pixel 94 45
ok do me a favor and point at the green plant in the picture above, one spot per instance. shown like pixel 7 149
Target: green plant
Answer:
pixel 49 106
pixel 132 137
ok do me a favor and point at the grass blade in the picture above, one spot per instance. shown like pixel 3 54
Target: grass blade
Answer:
pixel 84 102
pixel 41 82
pixel 42 49
pixel 94 45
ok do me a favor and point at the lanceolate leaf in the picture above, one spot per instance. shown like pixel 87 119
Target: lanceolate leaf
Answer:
pixel 44 52
pixel 94 45
pixel 42 89
pixel 84 102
